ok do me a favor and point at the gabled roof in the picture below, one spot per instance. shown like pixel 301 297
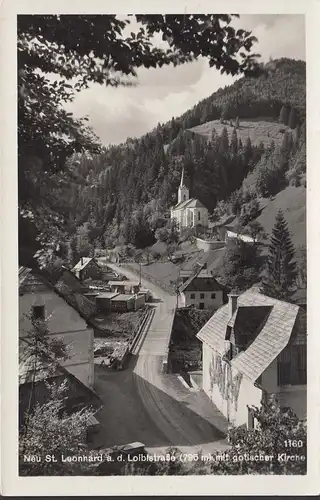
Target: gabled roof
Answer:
pixel 202 281
pixel 191 203
pixel 181 204
pixel 195 203
pixel 34 279
pixel 273 337
pixel 83 262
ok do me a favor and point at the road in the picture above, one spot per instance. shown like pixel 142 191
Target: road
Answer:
pixel 172 414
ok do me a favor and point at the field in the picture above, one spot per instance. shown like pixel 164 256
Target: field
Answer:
pixel 292 201
pixel 258 130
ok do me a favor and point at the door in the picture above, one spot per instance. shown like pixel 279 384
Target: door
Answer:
pixel 201 305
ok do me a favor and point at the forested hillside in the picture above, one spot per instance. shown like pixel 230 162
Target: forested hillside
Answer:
pixel 124 194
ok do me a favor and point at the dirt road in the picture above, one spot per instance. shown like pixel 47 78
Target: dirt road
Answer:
pixel 158 409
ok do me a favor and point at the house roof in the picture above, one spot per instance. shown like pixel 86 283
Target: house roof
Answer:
pixel 36 281
pixel 123 283
pixel 201 281
pixel 106 295
pixel 273 337
pixel 83 262
pixel 122 297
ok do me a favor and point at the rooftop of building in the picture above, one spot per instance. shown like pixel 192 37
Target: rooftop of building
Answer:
pixel 278 320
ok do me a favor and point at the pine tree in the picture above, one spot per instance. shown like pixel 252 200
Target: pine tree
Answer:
pixel 234 143
pixel 292 120
pixel 280 280
pixel 284 115
pixel 224 142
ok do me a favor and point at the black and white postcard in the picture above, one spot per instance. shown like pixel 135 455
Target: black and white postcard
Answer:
pixel 157 162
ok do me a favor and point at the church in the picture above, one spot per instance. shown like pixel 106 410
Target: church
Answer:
pixel 189 212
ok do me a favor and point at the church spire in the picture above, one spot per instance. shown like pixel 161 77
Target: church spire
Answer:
pixel 183 192
pixel 182 178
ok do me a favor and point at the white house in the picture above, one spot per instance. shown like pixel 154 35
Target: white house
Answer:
pixel 38 298
pixel 202 291
pixel 253 347
pixel 189 212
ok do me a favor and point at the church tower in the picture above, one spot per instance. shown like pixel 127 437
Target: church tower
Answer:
pixel 183 192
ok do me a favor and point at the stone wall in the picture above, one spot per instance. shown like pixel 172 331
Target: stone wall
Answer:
pixel 207 245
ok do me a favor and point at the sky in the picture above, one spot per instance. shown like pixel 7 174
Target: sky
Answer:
pixel 118 113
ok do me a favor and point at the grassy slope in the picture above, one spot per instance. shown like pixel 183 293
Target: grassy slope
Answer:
pixel 258 130
pixel 292 201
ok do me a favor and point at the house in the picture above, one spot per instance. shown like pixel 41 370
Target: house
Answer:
pixel 125 287
pixel 65 313
pixel 253 347
pixel 201 290
pixel 87 268
pixel 103 301
pixel 123 303
pixel 188 212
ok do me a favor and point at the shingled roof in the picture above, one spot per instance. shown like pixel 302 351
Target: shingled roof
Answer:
pixel 191 203
pixel 83 262
pixel 201 281
pixel 274 335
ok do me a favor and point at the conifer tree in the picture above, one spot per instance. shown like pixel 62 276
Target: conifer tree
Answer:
pixel 292 120
pixel 284 115
pixel 280 279
pixel 234 143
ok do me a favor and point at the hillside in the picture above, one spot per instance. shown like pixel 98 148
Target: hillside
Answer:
pixel 124 195
pixel 259 130
pixel 292 201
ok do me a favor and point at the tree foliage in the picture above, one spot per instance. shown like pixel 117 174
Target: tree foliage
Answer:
pixel 241 265
pixel 53 432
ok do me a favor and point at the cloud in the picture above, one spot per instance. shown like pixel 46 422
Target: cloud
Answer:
pixel 162 93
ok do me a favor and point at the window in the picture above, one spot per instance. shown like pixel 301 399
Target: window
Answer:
pixel 199 215
pixel 193 296
pixel 201 305
pixel 38 312
pixel 292 366
pixel 213 295
pixel 201 295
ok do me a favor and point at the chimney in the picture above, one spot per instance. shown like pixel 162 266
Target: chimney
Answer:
pixel 82 261
pixel 233 303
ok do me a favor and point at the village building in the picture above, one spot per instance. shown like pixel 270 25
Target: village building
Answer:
pixel 201 290
pixel 87 268
pixel 125 287
pixel 253 347
pixel 103 301
pixel 188 212
pixel 64 312
pixel 127 302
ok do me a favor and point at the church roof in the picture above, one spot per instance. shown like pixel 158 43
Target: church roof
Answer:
pixel 192 203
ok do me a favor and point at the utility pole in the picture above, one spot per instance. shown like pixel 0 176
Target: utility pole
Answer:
pixel 177 287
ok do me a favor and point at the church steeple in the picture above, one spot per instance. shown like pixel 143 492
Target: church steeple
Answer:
pixel 183 192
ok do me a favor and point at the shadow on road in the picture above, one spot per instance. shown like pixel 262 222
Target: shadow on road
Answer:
pixel 136 410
